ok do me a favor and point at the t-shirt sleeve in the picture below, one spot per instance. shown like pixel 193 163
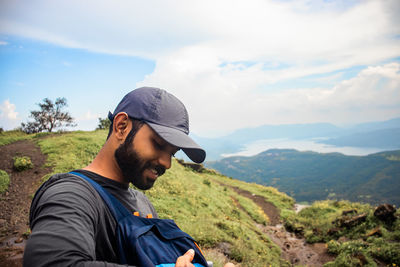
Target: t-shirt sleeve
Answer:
pixel 63 224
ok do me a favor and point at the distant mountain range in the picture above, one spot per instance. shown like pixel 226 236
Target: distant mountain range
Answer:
pixel 384 138
pixel 384 135
pixel 309 176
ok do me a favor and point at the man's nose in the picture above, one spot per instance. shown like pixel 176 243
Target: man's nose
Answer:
pixel 165 159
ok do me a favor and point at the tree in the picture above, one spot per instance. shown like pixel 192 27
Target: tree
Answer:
pixel 49 117
pixel 103 124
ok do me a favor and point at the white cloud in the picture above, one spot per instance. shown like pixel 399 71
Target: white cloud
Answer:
pixel 221 57
pixel 293 32
pixel 87 121
pixel 89 115
pixel 8 110
pixel 226 101
pixel 303 37
pixel 3 43
pixel 8 117
pixel 374 94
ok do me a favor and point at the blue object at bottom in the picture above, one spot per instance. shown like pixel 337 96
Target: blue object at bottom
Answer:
pixel 173 265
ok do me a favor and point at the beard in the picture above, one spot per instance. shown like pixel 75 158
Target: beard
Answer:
pixel 132 166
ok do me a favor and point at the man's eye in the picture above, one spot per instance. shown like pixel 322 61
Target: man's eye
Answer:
pixel 157 145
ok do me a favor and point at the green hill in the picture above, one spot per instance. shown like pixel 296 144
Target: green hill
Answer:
pixel 198 202
pixel 232 226
pixel 310 176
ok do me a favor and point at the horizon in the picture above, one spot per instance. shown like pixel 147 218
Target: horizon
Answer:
pixel 265 63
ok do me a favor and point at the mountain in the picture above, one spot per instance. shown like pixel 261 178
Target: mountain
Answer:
pixel 236 141
pixel 381 134
pixel 383 138
pixel 309 176
pixel 377 125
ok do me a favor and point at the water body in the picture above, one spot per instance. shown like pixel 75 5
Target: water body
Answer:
pixel 259 146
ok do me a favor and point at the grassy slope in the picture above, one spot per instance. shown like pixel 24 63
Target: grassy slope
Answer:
pixel 199 205
pixel 9 137
pixel 210 211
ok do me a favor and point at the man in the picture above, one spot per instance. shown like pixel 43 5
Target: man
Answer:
pixel 71 225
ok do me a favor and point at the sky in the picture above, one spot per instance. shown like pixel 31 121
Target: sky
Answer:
pixel 233 63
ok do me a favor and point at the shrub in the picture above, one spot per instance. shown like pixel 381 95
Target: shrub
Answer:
pixel 386 251
pixel 207 182
pixel 22 163
pixel 368 241
pixel 352 253
pixel 333 247
pixel 4 181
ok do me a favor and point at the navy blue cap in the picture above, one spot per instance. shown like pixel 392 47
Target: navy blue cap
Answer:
pixel 165 114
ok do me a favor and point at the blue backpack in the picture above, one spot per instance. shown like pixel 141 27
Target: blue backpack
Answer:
pixel 147 242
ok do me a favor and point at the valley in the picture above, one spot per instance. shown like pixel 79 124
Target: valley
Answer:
pixel 309 176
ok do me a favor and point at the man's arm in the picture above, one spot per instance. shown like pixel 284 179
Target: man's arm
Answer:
pixel 64 223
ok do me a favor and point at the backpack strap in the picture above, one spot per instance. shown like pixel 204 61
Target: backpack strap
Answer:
pixel 143 225
pixel 115 206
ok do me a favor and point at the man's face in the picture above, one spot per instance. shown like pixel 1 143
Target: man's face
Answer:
pixel 144 159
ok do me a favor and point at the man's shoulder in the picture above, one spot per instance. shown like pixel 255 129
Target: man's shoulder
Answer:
pixel 65 182
pixel 65 187
pixel 65 192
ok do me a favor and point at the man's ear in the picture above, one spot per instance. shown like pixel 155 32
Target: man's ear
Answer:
pixel 121 126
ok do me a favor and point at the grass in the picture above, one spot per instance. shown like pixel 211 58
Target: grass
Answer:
pixel 282 201
pixel 252 209
pixel 353 246
pixel 4 181
pixel 211 213
pixel 316 221
pixel 8 137
pixel 72 150
pixel 205 206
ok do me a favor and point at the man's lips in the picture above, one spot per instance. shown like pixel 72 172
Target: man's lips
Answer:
pixel 152 173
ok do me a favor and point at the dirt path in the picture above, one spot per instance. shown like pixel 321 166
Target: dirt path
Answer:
pixel 15 202
pixel 268 208
pixel 294 250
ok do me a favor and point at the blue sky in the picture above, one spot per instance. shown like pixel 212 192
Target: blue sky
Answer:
pixel 93 83
pixel 234 64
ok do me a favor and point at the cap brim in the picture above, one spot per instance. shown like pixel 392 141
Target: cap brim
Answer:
pixel 181 140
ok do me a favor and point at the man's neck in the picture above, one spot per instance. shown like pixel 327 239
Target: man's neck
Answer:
pixel 105 165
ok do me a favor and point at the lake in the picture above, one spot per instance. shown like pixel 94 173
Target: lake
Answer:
pixel 259 146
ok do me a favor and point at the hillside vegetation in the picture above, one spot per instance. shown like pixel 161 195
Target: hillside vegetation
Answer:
pixel 373 179
pixel 227 225
pixel 353 232
pixel 197 202
pixel 8 137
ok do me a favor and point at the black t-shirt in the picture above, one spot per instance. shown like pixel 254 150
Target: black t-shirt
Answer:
pixel 72 226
